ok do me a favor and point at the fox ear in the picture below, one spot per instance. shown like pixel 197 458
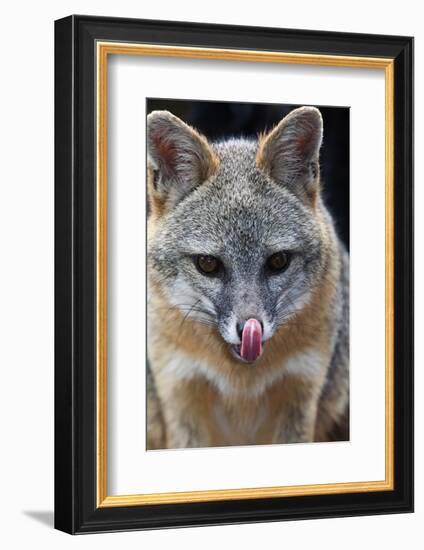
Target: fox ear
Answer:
pixel 289 154
pixel 179 158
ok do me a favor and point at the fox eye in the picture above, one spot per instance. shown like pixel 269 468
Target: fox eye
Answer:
pixel 208 265
pixel 278 262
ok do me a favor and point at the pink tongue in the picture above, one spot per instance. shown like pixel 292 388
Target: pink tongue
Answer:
pixel 251 340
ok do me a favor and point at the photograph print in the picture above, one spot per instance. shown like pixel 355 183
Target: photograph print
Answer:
pixel 248 274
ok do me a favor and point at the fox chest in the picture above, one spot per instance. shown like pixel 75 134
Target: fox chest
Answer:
pixel 218 418
pixel 240 425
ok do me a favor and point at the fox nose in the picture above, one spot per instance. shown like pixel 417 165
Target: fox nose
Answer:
pixel 240 327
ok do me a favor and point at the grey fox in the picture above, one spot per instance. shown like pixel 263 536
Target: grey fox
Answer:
pixel 248 304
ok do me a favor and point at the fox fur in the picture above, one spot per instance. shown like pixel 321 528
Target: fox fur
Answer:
pixel 241 201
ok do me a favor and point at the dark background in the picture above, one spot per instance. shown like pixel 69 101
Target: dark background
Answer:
pixel 221 120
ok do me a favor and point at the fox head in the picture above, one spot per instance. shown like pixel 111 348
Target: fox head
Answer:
pixel 239 241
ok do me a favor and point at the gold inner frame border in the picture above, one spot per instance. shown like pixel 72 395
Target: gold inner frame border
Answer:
pixel 103 50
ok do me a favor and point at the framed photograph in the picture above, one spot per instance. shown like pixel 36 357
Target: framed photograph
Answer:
pixel 234 267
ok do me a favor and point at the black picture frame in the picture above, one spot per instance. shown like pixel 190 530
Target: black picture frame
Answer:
pixel 76 509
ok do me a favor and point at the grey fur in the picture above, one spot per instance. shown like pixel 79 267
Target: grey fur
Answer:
pixel 333 411
pixel 243 213
pixel 241 219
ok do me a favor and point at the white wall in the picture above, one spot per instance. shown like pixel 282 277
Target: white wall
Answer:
pixel 26 274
